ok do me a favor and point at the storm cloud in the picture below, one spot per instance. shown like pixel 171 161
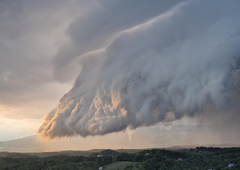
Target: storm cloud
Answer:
pixel 98 25
pixel 178 59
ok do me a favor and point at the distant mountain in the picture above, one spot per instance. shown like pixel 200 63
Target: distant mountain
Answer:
pixel 31 145
pixel 26 144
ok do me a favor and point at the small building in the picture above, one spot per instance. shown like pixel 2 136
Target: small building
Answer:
pixel 99 156
pixel 180 159
pixel 147 153
pixel 100 168
pixel 231 165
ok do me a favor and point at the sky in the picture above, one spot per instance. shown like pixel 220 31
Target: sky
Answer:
pixel 137 73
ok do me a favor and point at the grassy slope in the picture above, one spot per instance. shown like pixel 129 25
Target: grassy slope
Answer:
pixel 118 165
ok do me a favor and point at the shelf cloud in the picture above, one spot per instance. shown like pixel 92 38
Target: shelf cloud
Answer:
pixel 179 59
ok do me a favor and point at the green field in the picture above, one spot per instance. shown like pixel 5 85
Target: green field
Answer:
pixel 118 165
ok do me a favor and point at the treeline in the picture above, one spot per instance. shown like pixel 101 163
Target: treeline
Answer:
pixel 200 158
pixel 54 163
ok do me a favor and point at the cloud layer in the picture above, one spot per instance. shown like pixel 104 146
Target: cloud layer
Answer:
pixel 179 61
pixel 30 35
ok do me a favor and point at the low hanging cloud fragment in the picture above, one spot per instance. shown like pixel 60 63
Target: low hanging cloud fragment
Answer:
pixel 179 62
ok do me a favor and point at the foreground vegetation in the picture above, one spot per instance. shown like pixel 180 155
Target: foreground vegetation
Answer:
pixel 201 158
pixel 122 165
